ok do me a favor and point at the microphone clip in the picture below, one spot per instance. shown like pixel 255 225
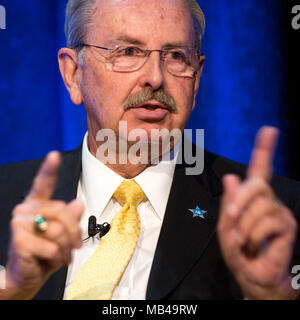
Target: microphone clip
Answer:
pixel 94 228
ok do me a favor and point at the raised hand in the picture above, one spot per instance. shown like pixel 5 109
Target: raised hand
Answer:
pixel 33 255
pixel 256 231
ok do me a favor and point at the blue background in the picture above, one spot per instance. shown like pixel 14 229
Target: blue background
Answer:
pixel 243 86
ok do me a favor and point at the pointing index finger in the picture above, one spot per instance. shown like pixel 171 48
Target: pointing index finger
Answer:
pixel 261 163
pixel 45 180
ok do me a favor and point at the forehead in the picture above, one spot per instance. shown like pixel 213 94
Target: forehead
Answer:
pixel 147 21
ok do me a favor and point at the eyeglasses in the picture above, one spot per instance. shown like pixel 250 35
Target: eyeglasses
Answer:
pixel 179 61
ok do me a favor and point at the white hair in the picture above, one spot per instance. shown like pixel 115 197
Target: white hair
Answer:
pixel 198 19
pixel 79 17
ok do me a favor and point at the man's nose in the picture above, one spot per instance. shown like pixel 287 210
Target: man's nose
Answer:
pixel 152 73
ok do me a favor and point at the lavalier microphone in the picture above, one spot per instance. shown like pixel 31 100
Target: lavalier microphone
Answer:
pixel 94 228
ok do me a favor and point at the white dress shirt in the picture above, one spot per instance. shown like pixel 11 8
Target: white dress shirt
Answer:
pixel 95 189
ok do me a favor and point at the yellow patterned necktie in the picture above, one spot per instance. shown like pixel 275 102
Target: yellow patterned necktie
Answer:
pixel 100 274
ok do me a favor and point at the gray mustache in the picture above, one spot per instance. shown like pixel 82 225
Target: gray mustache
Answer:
pixel 148 94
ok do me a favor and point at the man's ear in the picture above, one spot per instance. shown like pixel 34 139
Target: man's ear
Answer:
pixel 197 79
pixel 69 69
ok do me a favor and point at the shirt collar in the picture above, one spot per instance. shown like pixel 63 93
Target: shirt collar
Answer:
pixel 100 182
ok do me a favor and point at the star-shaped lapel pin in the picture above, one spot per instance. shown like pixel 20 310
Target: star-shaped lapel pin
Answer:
pixel 197 212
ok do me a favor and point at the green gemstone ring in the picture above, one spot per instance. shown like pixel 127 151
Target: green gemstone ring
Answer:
pixel 40 224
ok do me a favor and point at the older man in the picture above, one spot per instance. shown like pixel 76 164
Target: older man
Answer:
pixel 139 62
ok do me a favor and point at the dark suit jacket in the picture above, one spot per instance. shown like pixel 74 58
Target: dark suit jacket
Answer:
pixel 188 263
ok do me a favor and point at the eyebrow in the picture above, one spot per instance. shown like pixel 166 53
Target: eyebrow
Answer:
pixel 175 45
pixel 130 40
pixel 127 39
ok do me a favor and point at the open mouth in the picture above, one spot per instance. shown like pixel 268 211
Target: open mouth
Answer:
pixel 151 111
pixel 150 107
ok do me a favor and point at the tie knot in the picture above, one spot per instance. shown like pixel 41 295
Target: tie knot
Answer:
pixel 129 192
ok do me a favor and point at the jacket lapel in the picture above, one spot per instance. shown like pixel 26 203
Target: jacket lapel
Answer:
pixel 183 238
pixel 66 190
pixel 69 175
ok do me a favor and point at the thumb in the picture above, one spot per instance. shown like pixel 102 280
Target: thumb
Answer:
pixel 228 212
pixel 230 184
pixel 228 222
